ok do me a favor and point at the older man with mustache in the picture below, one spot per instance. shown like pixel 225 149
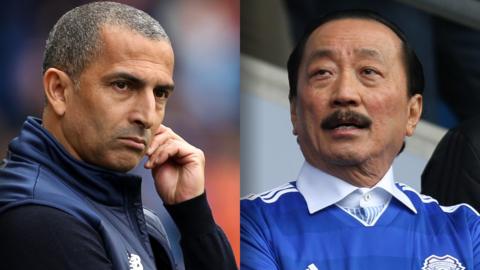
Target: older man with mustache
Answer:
pixel 355 93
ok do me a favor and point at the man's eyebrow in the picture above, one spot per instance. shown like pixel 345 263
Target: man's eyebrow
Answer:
pixel 125 76
pixel 361 52
pixel 168 87
pixel 320 53
pixel 135 80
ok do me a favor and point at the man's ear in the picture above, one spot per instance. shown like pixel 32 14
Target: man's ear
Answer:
pixel 414 113
pixel 293 115
pixel 57 86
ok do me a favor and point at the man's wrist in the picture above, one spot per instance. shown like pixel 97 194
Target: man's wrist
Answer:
pixel 192 217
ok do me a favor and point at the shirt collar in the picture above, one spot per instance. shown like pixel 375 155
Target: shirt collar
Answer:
pixel 321 190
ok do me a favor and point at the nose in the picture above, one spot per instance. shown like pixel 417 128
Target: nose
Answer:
pixel 346 91
pixel 144 113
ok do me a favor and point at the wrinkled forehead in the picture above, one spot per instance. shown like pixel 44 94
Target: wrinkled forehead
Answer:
pixel 357 37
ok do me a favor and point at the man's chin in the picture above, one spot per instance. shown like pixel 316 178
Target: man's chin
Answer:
pixel 347 161
pixel 121 167
pixel 123 163
pixel 347 157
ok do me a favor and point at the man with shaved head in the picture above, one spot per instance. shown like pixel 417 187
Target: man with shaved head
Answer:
pixel 66 199
pixel 355 94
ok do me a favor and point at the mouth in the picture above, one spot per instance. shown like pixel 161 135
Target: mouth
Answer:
pixel 137 143
pixel 348 125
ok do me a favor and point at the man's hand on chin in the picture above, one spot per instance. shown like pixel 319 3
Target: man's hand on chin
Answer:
pixel 178 168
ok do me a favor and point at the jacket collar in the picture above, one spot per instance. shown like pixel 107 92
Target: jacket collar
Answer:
pixel 321 190
pixel 36 145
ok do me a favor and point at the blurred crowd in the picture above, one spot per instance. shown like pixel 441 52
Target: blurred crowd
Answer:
pixel 204 108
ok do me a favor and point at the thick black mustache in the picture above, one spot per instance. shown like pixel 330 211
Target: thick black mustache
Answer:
pixel 341 117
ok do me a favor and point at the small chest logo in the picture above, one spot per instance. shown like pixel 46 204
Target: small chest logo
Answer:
pixel 134 262
pixel 311 267
pixel 446 262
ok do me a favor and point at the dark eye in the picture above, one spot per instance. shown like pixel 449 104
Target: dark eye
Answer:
pixel 321 74
pixel 120 85
pixel 161 92
pixel 369 71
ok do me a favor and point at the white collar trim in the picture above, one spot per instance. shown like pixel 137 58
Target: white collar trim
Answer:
pixel 321 190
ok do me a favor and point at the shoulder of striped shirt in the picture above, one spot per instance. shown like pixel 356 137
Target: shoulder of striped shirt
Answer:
pixel 272 195
pixel 428 199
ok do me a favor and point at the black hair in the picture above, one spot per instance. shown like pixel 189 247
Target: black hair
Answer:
pixel 414 70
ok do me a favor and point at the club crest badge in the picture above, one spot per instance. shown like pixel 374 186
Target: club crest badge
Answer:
pixel 446 262
pixel 134 262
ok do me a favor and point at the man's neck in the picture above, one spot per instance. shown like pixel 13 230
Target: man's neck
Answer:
pixel 51 123
pixel 367 174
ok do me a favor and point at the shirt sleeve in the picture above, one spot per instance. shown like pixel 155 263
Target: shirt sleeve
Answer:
pixel 42 237
pixel 204 245
pixel 256 252
pixel 474 226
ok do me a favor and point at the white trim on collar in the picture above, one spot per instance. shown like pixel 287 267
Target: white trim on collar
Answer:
pixel 321 190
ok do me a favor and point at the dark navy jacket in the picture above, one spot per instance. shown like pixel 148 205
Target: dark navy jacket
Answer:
pixel 38 170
